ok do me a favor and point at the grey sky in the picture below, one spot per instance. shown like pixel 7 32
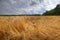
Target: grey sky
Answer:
pixel 26 6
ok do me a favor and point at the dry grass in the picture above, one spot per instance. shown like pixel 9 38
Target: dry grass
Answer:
pixel 29 27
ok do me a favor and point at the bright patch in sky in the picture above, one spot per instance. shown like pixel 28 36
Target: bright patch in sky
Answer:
pixel 16 7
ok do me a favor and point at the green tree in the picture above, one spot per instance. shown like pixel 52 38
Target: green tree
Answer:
pixel 55 11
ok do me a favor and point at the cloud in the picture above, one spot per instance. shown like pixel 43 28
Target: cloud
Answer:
pixel 17 7
pixel 50 4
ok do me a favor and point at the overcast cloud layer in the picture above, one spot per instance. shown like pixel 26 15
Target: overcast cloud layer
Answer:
pixel 10 7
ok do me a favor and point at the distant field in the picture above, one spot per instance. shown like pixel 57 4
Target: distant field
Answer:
pixel 29 27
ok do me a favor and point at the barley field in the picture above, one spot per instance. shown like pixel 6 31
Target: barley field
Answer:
pixel 29 27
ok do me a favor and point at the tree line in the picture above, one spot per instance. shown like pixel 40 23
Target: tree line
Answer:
pixel 55 11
